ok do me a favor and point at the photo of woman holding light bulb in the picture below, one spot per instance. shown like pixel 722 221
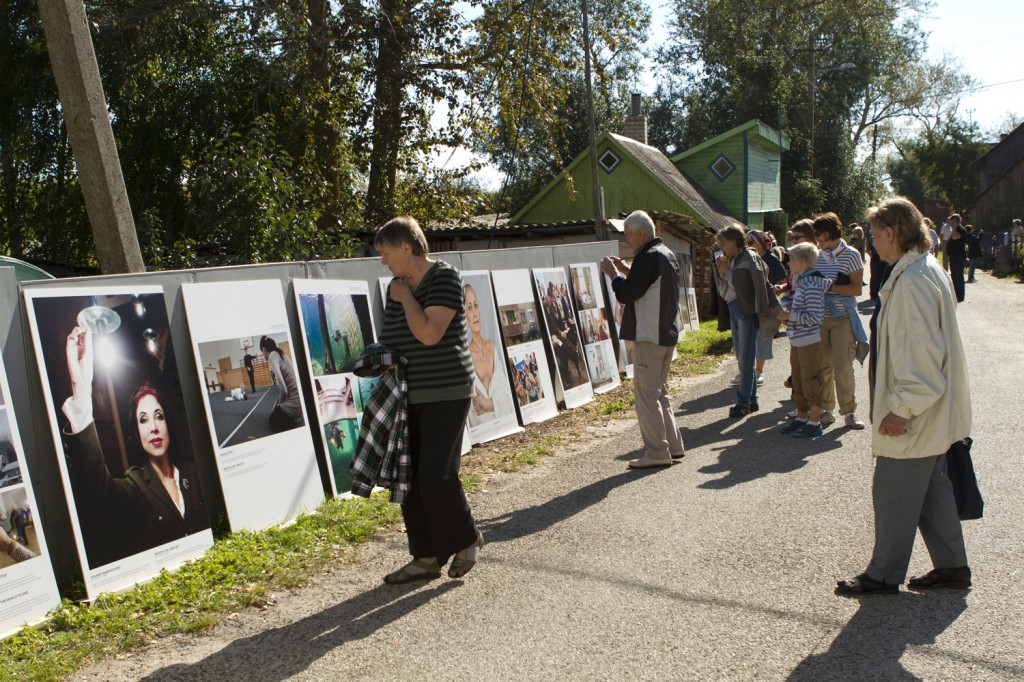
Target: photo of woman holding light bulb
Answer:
pixel 117 403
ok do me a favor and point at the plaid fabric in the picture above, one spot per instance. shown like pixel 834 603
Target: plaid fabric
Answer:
pixel 382 455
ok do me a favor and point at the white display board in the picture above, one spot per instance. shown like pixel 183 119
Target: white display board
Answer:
pixel 689 320
pixel 492 413
pixel 263 447
pixel 594 326
pixel 123 440
pixel 563 336
pixel 28 589
pixel 336 328
pixel 522 328
pixel 625 347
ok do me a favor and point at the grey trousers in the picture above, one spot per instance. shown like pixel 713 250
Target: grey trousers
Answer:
pixel 912 494
pixel 653 408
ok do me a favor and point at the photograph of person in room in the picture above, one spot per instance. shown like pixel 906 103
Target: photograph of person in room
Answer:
pixel 10 467
pixel 159 498
pixel 492 396
pixel 562 332
pixel 271 407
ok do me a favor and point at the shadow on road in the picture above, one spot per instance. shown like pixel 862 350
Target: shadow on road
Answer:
pixel 523 522
pixel 761 450
pixel 281 653
pixel 871 645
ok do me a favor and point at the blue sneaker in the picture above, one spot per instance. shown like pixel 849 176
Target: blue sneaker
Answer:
pixel 793 425
pixel 808 430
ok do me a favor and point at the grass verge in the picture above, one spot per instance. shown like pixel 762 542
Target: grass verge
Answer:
pixel 241 570
pixel 701 351
pixel 530 455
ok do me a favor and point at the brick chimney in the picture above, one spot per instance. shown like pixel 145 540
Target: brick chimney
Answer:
pixel 636 122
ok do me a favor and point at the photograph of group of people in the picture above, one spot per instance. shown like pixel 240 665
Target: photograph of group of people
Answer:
pixel 19 540
pixel 521 328
pixel 526 378
pixel 336 328
pixel 491 412
pixel 110 373
pixel 252 392
pixel 553 292
pixel 597 338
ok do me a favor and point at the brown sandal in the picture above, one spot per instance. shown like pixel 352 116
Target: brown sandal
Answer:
pixel 430 571
pixel 462 564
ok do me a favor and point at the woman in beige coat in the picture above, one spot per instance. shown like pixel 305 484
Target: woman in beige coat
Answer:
pixel 921 405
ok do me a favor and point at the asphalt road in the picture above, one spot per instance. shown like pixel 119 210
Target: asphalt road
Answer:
pixel 721 567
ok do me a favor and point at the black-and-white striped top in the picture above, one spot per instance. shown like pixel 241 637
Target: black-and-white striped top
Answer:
pixel 443 371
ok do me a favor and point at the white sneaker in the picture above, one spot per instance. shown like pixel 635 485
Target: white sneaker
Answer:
pixel 760 379
pixel 791 415
pixel 827 418
pixel 735 381
pixel 853 423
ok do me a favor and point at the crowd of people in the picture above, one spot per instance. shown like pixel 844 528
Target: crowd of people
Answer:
pixel 915 356
pixel 811 288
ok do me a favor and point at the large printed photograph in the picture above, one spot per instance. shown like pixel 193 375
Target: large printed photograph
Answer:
pixel 110 367
pixel 553 293
pixel 338 328
pixel 597 338
pixel 251 387
pixel 491 413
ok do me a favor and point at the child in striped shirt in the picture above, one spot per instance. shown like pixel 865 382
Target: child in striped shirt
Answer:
pixel 803 327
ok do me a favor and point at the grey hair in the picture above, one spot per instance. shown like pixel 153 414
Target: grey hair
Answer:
pixel 639 221
pixel 804 252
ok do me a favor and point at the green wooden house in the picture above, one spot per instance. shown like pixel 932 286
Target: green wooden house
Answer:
pixel 732 177
pixel 742 169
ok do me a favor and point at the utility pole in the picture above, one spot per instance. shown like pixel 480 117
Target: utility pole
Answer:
pixel 595 185
pixel 92 139
pixel 811 96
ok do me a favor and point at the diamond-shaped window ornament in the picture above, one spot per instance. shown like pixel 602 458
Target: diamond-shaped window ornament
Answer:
pixel 609 161
pixel 722 167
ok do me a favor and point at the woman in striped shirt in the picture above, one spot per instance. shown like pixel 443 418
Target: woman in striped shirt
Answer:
pixel 841 329
pixel 425 321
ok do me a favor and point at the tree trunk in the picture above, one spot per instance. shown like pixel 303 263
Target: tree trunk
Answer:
pixel 324 127
pixel 388 98
pixel 10 185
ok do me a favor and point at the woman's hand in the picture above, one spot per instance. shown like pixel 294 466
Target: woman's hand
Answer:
pixel 80 363
pixel 482 405
pixel 400 291
pixel 893 425
pixel 723 264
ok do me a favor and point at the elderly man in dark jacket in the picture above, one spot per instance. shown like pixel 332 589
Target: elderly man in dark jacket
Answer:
pixel 649 289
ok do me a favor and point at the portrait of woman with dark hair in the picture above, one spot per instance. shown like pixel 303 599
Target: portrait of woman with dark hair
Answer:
pixel 160 498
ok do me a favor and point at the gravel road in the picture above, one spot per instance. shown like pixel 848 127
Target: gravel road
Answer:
pixel 721 567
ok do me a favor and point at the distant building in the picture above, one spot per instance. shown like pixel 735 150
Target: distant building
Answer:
pixel 1000 180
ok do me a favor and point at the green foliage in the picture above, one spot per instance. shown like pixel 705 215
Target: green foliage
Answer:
pixel 514 461
pixel 238 572
pixel 699 352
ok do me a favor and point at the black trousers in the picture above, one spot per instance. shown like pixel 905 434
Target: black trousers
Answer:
pixel 252 378
pixel 956 272
pixel 438 522
pixel 279 421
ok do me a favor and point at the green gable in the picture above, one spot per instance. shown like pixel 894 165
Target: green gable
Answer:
pixel 741 168
pixel 633 176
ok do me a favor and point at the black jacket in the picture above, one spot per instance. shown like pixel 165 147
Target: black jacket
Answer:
pixel 650 295
pixel 138 500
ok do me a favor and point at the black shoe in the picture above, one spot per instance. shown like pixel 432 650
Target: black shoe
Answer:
pixel 754 407
pixel 863 584
pixel 739 411
pixel 956 578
